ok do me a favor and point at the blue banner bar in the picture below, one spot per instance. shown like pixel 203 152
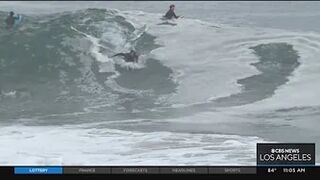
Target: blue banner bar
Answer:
pixel 38 170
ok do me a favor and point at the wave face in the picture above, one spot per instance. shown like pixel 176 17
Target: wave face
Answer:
pixel 59 64
pixel 202 87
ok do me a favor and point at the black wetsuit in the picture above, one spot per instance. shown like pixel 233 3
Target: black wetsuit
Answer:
pixel 170 14
pixel 128 57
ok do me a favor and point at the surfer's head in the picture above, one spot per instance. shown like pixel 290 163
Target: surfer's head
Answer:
pixel 11 13
pixel 172 6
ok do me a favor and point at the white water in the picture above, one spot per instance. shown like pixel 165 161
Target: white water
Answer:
pixel 95 146
pixel 211 60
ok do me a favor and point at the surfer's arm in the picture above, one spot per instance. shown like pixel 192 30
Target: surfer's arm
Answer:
pixel 175 16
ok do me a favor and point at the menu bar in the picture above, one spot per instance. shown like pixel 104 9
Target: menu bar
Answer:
pixel 150 170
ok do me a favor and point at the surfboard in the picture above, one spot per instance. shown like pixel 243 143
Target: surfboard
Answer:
pixel 166 21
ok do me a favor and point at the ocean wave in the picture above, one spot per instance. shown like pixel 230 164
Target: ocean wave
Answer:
pixel 64 60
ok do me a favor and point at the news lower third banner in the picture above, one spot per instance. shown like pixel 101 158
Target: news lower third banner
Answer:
pixel 272 158
pixel 276 154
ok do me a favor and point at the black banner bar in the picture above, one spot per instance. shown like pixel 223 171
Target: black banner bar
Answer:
pixel 170 170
